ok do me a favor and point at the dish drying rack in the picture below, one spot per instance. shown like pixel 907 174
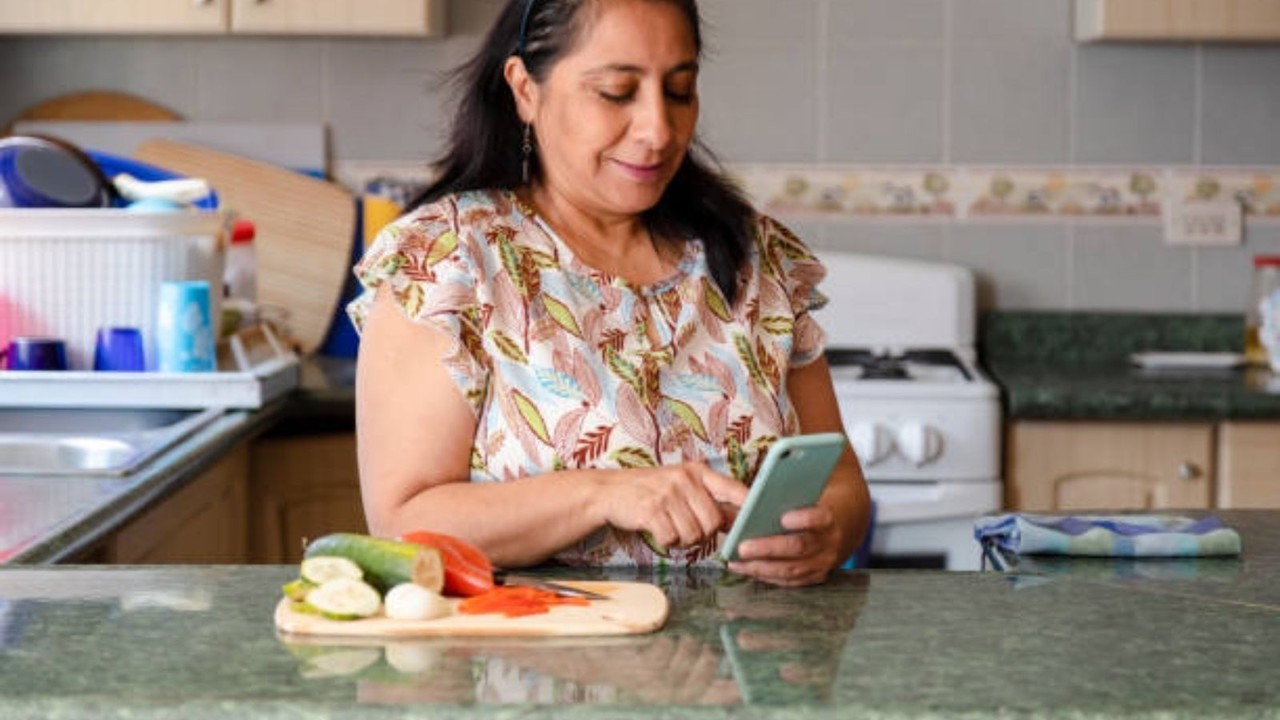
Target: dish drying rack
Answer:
pixel 254 368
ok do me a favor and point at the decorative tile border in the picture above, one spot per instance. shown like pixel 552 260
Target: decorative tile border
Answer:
pixel 860 191
pixel 982 193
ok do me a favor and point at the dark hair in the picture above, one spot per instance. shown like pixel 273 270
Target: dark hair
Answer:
pixel 484 144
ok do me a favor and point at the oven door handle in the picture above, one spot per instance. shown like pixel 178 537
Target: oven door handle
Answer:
pixel 936 500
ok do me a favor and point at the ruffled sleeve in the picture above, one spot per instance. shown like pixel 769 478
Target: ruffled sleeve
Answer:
pixel 799 271
pixel 425 259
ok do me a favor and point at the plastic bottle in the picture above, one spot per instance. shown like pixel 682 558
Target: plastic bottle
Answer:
pixel 241 275
pixel 239 281
pixel 1262 313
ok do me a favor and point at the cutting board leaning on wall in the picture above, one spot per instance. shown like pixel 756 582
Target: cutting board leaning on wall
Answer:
pixel 305 229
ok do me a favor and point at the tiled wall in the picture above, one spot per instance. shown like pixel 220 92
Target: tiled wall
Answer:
pixel 814 83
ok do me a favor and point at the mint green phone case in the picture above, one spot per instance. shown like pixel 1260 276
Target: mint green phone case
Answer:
pixel 793 475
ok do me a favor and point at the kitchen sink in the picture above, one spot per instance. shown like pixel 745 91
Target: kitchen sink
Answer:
pixel 71 441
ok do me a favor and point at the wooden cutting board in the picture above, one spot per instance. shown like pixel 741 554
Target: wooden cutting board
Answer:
pixel 632 608
pixel 305 228
pixel 98 105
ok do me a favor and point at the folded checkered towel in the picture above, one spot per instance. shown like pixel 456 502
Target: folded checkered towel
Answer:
pixel 1108 535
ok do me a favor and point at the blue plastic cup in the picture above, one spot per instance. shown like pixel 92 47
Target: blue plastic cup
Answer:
pixel 184 328
pixel 36 353
pixel 119 349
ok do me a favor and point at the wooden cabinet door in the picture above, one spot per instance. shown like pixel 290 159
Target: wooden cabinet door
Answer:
pixel 1249 465
pixel 1222 20
pixel 338 17
pixel 113 16
pixel 1056 466
pixel 204 522
pixel 301 488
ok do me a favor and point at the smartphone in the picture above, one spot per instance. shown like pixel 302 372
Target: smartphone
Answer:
pixel 793 475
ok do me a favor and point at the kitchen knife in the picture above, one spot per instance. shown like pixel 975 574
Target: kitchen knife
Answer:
pixel 509 580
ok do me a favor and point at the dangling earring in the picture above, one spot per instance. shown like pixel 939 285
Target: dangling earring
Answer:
pixel 526 151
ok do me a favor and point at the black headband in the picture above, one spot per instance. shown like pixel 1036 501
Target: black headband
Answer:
pixel 524 27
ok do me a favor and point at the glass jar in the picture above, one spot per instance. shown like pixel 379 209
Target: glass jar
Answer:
pixel 1262 313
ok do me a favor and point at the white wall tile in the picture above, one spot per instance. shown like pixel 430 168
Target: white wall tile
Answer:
pixel 1009 103
pixel 389 99
pixel 1241 122
pixel 39 68
pixel 259 79
pixel 1222 275
pixel 1136 104
pixel 1018 267
pixel 884 103
pixel 1129 268
pixel 759 104
pixel 734 23
pixel 1038 22
pixel 890 238
pixel 886 21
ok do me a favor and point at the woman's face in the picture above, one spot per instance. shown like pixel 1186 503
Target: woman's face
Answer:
pixel 616 114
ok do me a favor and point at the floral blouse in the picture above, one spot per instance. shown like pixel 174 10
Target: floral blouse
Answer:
pixel 556 358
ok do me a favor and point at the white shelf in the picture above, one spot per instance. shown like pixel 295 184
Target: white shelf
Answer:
pixel 54 389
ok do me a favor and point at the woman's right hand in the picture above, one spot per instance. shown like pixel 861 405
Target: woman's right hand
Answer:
pixel 677 505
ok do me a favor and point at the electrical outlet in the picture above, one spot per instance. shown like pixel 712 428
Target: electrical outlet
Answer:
pixel 1203 222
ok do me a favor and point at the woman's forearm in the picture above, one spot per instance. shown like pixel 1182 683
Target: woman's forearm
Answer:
pixel 517 523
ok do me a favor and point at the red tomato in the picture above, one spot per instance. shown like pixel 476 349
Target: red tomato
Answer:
pixel 467 571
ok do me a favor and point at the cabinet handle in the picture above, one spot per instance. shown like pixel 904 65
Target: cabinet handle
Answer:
pixel 1188 471
pixel 202 3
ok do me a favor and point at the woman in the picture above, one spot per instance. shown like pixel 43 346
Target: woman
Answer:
pixel 580 342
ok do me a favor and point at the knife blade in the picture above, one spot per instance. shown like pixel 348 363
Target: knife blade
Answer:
pixel 510 580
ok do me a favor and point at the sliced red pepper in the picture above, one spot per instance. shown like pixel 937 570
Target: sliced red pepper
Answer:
pixel 516 602
pixel 467 571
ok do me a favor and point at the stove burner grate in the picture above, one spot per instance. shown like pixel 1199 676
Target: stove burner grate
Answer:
pixel 883 366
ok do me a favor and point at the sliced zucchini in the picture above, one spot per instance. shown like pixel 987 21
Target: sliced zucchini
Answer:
pixel 345 599
pixel 322 568
pixel 386 563
pixel 297 590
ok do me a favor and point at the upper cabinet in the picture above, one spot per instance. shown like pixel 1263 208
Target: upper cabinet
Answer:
pixel 205 17
pixel 1178 20
pixel 114 16
pixel 338 17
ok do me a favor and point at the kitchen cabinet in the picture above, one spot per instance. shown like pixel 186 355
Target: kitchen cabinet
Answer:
pixel 302 487
pixel 1062 466
pixel 114 16
pixel 204 522
pixel 338 17
pixel 250 17
pixel 1178 20
pixel 1249 465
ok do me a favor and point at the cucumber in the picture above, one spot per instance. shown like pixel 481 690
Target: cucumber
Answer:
pixel 345 599
pixel 321 568
pixel 386 563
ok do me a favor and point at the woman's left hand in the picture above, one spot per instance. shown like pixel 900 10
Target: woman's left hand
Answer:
pixel 803 556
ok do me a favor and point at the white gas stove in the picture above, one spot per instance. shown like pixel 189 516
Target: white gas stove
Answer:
pixel 923 418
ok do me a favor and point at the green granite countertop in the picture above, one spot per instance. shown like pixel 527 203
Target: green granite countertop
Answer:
pixel 1087 639
pixel 1067 366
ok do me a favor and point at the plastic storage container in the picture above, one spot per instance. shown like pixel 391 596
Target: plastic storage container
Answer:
pixel 1262 313
pixel 67 273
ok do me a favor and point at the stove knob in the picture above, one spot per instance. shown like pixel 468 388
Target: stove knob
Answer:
pixel 871 441
pixel 919 443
